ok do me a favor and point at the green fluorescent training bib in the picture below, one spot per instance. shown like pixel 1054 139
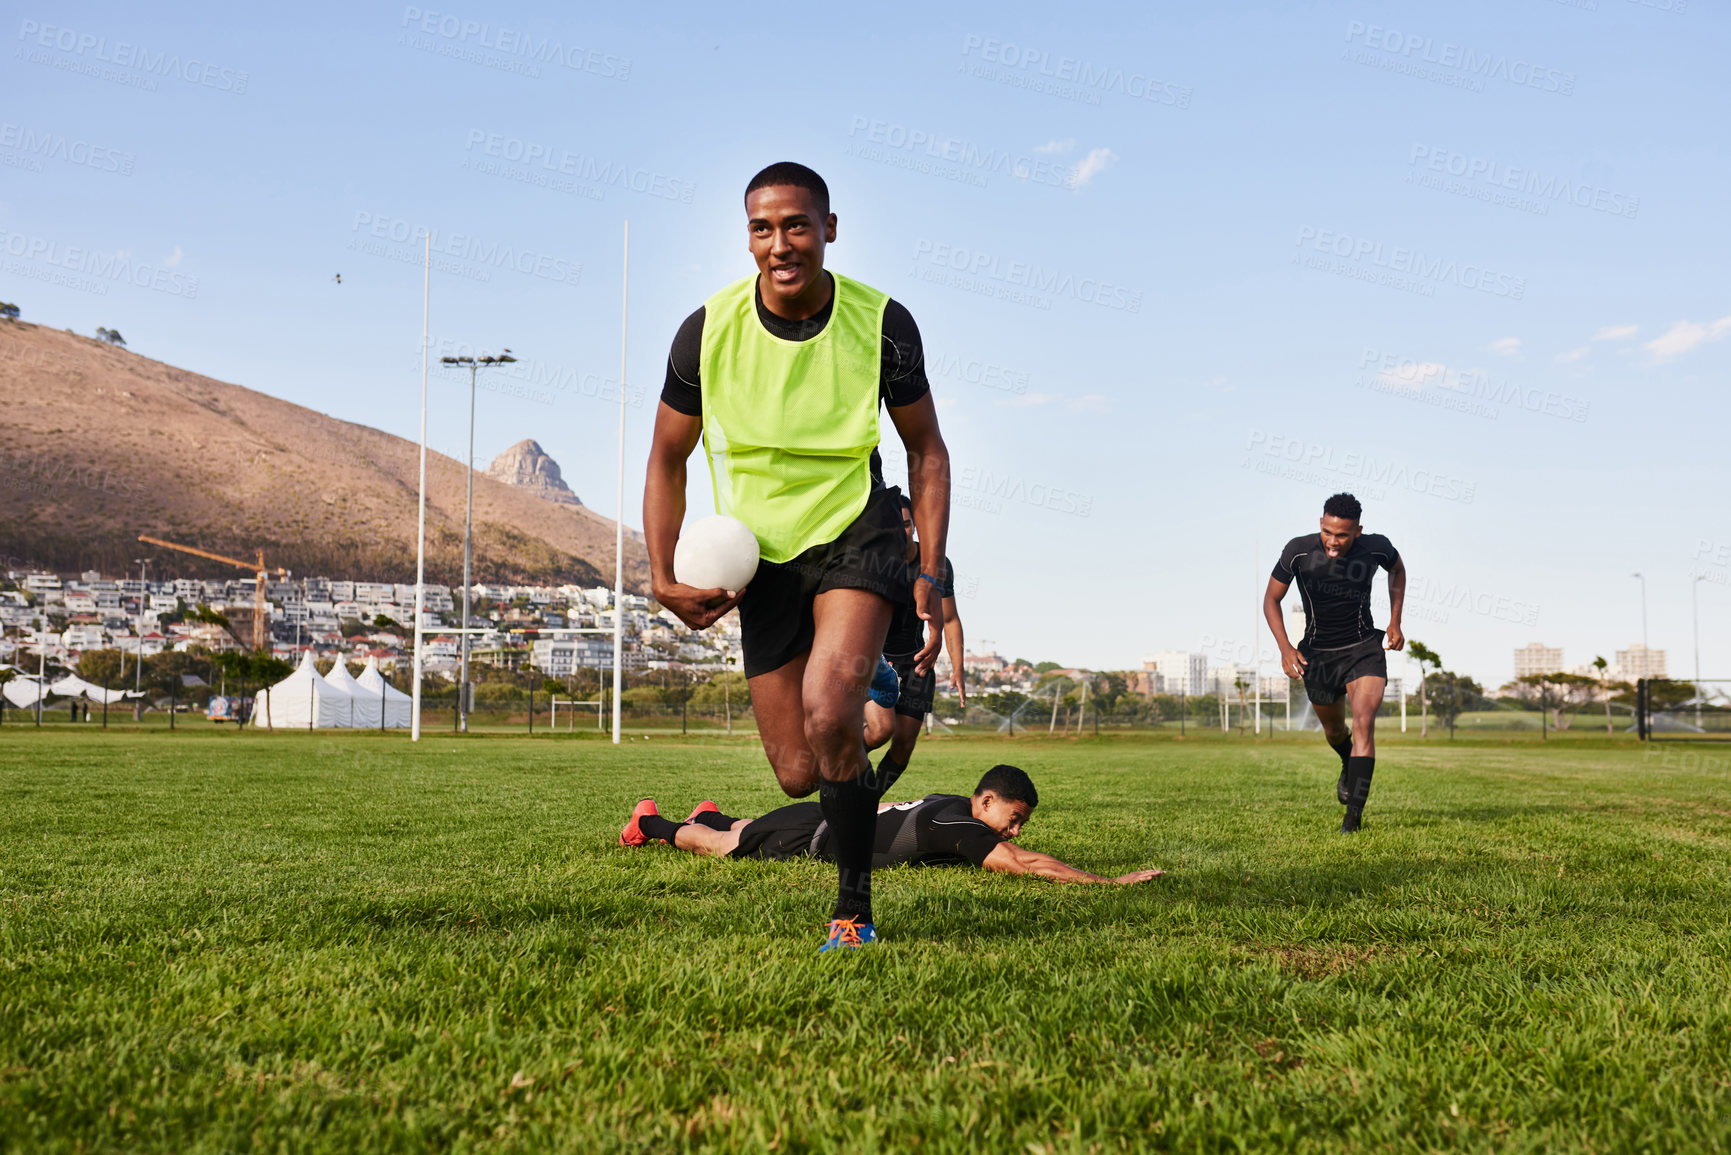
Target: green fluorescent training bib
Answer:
pixel 789 426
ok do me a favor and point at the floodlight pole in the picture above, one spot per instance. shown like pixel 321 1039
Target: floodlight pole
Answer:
pixel 1643 581
pixel 421 530
pixel 474 364
pixel 1695 608
pixel 619 525
pixel 138 657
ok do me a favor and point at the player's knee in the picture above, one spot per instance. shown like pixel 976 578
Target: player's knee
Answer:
pixel 796 783
pixel 828 726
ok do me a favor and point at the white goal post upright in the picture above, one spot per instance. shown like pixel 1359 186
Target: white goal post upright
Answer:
pixel 619 526
pixel 421 524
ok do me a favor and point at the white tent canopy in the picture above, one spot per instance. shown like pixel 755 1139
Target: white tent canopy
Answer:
pixel 364 707
pixel 302 701
pixel 72 686
pixel 398 705
pixel 23 692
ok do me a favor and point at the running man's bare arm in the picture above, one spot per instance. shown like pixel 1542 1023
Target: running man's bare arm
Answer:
pixel 929 490
pixel 953 643
pixel 1396 604
pixel 1008 858
pixel 1291 660
pixel 675 437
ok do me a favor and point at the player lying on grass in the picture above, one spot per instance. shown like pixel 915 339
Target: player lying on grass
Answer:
pixel 937 830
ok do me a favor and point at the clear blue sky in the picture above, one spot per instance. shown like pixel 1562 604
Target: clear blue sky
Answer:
pixel 1181 272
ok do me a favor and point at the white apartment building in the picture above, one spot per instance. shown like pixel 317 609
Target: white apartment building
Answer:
pixel 1178 672
pixel 1640 662
pixel 560 657
pixel 1538 658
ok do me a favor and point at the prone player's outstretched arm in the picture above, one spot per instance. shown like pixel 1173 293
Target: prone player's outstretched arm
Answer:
pixel 1008 858
pixel 929 490
pixel 1291 660
pixel 1396 604
pixel 675 437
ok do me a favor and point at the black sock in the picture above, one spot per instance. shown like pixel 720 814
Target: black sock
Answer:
pixel 1358 775
pixel 882 778
pixel 715 820
pixel 655 826
pixel 851 809
pixel 1344 749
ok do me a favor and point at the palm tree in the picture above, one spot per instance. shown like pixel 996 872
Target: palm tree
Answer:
pixel 1603 667
pixel 1424 656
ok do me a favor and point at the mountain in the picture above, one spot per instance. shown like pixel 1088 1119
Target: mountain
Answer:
pixel 527 466
pixel 98 445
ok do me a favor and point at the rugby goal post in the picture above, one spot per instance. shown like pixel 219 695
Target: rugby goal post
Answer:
pixel 573 703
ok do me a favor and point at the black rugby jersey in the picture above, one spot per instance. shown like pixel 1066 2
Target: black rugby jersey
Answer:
pixel 1335 591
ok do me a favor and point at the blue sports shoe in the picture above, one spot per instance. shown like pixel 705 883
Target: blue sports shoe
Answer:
pixel 848 934
pixel 885 687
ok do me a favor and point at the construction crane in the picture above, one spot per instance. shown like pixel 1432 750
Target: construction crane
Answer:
pixel 259 615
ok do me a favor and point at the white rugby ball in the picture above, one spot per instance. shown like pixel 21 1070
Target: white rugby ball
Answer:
pixel 717 552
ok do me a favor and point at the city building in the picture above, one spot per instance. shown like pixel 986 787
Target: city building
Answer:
pixel 1640 662
pixel 1538 658
pixel 1177 672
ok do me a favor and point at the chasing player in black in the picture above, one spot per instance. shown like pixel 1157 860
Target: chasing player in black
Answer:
pixel 899 724
pixel 1342 650
pixel 937 830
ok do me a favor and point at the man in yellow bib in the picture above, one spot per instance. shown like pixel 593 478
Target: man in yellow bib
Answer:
pixel 781 374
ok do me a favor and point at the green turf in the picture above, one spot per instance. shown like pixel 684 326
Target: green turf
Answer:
pixel 220 942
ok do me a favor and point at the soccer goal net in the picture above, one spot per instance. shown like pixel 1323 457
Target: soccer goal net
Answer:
pixel 1677 708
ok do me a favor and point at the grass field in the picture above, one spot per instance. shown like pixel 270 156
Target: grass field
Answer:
pixel 220 942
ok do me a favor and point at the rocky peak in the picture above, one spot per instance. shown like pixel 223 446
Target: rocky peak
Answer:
pixel 527 466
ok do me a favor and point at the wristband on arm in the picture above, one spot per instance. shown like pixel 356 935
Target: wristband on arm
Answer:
pixel 936 583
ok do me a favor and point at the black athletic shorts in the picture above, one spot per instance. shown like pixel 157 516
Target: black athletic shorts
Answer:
pixel 1329 671
pixel 917 691
pixel 781 834
pixel 775 622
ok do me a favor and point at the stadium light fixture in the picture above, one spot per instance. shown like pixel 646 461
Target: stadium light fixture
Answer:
pixel 474 364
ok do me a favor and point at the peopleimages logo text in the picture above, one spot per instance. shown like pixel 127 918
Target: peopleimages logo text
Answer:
pixel 59 146
pixel 515 42
pixel 465 247
pixel 1411 262
pixel 1085 74
pixel 114 266
pixel 134 56
pixel 1360 466
pixel 1446 54
pixel 578 166
pixel 1033 278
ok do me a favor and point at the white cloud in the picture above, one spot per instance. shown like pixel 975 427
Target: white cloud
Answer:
pixel 1022 401
pixel 1616 332
pixel 1092 165
pixel 173 258
pixel 1573 355
pixel 1507 346
pixel 1686 335
pixel 1052 146
pixel 1087 403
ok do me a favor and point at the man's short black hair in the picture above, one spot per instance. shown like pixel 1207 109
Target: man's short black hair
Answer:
pixel 792 173
pixel 1011 784
pixel 905 501
pixel 1343 505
